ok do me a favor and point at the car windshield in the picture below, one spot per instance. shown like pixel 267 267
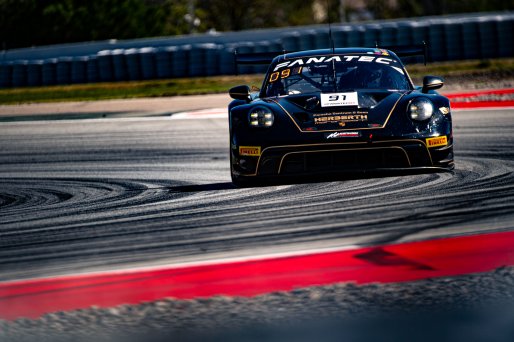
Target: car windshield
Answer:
pixel 336 73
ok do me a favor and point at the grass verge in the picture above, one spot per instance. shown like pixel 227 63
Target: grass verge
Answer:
pixel 216 84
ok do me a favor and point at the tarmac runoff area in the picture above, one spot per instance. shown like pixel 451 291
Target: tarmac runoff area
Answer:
pixel 146 107
pixel 60 195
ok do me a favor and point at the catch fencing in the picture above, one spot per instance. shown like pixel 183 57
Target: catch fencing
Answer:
pixel 457 37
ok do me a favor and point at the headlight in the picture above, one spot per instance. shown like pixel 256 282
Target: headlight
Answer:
pixel 421 109
pixel 261 117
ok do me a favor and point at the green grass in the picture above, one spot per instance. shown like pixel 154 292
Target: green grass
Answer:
pixel 212 85
pixel 125 90
pixel 463 67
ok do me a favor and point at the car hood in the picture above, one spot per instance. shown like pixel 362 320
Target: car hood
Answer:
pixel 373 110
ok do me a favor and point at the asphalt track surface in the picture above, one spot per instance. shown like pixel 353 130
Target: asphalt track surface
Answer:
pixel 94 195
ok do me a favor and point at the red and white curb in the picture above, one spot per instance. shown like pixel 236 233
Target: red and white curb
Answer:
pixel 460 101
pixel 387 263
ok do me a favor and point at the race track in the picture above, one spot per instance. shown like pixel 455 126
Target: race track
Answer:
pixel 93 195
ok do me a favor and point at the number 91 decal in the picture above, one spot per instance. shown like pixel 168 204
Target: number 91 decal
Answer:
pixel 284 74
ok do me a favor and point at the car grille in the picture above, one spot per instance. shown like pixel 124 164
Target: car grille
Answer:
pixel 343 160
pixel 320 158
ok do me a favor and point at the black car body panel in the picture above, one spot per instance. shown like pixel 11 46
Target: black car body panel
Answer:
pixel 307 138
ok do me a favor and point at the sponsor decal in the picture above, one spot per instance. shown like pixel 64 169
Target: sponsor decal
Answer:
pixel 339 99
pixel 329 59
pixel 252 151
pixel 343 135
pixel 340 118
pixel 437 141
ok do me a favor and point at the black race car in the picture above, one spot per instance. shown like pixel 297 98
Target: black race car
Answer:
pixel 337 110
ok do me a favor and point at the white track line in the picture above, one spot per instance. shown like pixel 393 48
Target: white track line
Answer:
pixel 211 113
pixel 220 261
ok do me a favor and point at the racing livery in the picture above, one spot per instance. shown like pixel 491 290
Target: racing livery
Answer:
pixel 337 110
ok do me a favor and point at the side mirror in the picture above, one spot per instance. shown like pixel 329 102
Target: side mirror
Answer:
pixel 241 92
pixel 431 83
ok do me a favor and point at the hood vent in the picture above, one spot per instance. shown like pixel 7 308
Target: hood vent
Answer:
pixel 312 103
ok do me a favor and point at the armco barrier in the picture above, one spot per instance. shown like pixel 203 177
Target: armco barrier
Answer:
pixel 457 37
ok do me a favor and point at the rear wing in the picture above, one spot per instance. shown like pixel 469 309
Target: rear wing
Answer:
pixel 409 50
pixel 255 58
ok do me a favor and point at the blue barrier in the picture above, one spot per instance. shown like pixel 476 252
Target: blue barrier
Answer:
pixel 163 62
pixel 505 27
pixel 470 40
pixel 371 33
pixel 92 69
pixel 488 43
pixel 19 73
pixel 119 65
pixel 265 46
pixel 63 70
pixel 34 71
pixel 180 61
pixel 79 69
pixel 203 60
pixel 291 41
pixel 453 41
pixel 147 59
pixel 226 60
pixel 48 72
pixel 387 36
pixel 133 64
pixel 5 75
pixel 356 37
pixel 470 36
pixel 248 47
pixel 105 67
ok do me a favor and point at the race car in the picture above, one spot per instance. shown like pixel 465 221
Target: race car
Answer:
pixel 335 111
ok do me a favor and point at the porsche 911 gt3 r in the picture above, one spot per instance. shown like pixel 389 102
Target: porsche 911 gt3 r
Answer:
pixel 337 110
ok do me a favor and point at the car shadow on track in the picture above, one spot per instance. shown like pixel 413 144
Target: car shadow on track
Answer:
pixel 348 176
pixel 203 187
pixel 292 180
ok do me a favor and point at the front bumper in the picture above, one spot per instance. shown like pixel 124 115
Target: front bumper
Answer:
pixel 342 157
